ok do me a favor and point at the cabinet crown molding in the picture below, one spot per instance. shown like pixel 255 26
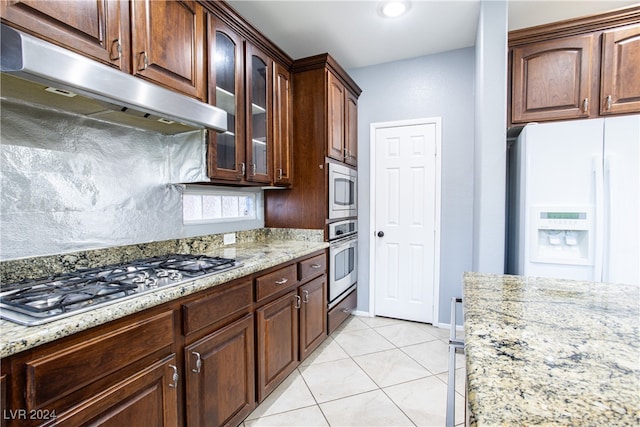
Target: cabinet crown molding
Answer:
pixel 570 27
pixel 325 60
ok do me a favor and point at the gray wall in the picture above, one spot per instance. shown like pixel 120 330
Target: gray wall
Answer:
pixel 467 89
pixel 440 85
pixel 490 138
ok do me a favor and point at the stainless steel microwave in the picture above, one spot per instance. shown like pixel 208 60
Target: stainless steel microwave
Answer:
pixel 343 189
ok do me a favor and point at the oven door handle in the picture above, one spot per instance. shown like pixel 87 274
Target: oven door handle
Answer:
pixel 342 243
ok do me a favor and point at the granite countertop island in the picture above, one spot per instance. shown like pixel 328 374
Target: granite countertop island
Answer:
pixel 254 256
pixel 551 352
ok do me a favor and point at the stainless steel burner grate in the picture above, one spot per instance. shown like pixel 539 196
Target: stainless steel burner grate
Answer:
pixel 46 299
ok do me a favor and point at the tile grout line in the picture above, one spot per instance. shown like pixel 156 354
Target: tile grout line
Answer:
pixel 349 356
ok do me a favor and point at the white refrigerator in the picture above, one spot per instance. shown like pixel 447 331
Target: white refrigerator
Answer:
pixel 574 200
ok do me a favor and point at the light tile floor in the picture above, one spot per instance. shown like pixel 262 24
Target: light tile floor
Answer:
pixel 372 371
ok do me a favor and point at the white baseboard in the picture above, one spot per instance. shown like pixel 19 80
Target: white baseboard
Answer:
pixel 361 313
pixel 448 326
pixel 437 325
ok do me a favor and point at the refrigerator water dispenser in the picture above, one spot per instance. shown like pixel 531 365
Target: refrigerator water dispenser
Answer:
pixel 564 235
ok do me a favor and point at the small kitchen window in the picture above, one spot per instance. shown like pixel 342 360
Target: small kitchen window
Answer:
pixel 202 205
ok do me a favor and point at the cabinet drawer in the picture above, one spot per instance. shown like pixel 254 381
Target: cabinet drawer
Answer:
pixel 340 312
pixel 208 310
pixel 273 283
pixel 312 267
pixel 58 374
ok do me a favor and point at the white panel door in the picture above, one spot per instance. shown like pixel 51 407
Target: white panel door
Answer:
pixel 407 179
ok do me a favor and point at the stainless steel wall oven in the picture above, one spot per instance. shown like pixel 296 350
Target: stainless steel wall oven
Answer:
pixel 343 259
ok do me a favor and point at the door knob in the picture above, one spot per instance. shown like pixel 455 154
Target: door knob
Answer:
pixel 380 233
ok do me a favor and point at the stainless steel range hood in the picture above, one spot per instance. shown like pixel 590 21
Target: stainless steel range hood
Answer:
pixel 37 72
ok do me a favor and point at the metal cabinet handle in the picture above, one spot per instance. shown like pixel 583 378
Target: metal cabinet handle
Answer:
pixel 254 167
pixel 346 310
pixel 243 169
pixel 316 266
pixel 145 61
pixel 306 297
pixel 281 281
pixel 175 377
pixel 298 301
pixel 116 48
pixel 585 105
pixel 198 362
pixel 279 174
pixel 609 102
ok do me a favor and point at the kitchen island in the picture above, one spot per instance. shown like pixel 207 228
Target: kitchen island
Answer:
pixel 551 352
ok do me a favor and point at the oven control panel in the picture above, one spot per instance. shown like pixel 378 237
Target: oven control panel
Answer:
pixel 342 228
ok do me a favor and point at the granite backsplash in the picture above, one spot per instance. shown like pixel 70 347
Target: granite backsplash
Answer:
pixel 12 271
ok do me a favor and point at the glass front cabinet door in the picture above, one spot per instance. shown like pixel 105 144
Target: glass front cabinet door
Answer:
pixel 239 83
pixel 226 153
pixel 258 112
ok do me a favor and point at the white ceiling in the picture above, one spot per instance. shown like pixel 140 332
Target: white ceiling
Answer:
pixel 356 36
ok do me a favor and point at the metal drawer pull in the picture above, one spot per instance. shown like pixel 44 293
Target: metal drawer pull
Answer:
pixel 346 310
pixel 175 376
pixel 145 61
pixel 306 297
pixel 281 281
pixel 117 48
pixel 198 362
pixel 298 301
pixel 316 266
pixel 585 105
pixel 609 102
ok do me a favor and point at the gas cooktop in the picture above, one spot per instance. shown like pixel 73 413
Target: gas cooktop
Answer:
pixel 37 301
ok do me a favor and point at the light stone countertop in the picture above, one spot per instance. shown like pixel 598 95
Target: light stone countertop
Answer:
pixel 254 256
pixel 551 352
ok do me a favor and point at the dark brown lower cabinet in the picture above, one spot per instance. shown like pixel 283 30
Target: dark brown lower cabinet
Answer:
pixel 152 392
pixel 202 360
pixel 219 376
pixel 342 311
pixel 313 314
pixel 277 329
pixel 288 330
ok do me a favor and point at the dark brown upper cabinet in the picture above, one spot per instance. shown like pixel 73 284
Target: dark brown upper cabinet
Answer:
pixel 240 82
pixel 553 79
pixel 258 112
pixel 580 68
pixel 226 153
pixel 98 29
pixel 168 43
pixel 342 121
pixel 620 82
pixel 160 41
pixel 282 126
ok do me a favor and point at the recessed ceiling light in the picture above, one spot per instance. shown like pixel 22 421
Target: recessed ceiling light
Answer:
pixel 393 8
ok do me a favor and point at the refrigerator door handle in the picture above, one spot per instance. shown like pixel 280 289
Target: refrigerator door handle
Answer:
pixel 599 220
pixel 610 186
